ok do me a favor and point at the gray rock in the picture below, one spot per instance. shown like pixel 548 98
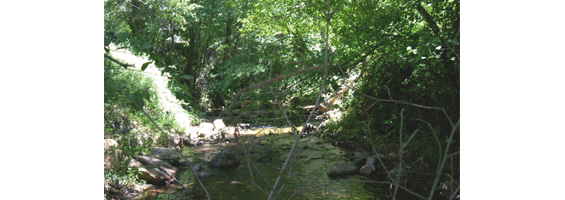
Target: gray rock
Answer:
pixel 205 129
pixel 368 167
pixel 219 124
pixel 204 174
pixel 148 160
pixel 358 158
pixel 112 154
pixel 343 168
pixel 155 171
pixel 194 142
pixel 228 133
pixel 171 156
pixel 224 159
pixel 174 139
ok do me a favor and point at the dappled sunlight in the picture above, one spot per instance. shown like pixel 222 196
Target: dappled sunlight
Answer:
pixel 166 99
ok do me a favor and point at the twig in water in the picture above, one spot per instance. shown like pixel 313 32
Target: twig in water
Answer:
pixel 198 179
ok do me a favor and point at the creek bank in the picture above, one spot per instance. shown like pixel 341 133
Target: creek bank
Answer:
pixel 213 160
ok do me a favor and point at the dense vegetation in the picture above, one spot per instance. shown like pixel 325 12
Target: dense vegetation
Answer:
pixel 393 67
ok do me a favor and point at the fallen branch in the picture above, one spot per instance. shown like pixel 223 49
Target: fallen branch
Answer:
pixel 172 177
pixel 198 179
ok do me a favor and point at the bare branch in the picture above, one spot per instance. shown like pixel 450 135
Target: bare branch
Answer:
pixel 437 140
pixel 376 153
pixel 292 150
pixel 409 139
pixel 199 182
pixel 404 102
pixel 456 192
pixel 453 154
pixel 125 65
pixel 400 152
pixel 438 173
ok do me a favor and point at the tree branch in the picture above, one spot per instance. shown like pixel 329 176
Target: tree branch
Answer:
pixel 125 65
pixel 437 140
pixel 438 173
pixel 428 18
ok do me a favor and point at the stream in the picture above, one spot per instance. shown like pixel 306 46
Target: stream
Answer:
pixel 308 173
pixel 269 152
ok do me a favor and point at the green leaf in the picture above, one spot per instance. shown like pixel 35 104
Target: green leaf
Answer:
pixel 107 41
pixel 122 36
pixel 136 99
pixel 107 50
pixel 187 77
pixel 144 66
pixel 146 46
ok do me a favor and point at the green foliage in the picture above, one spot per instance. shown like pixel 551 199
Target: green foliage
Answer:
pixel 126 93
pixel 404 50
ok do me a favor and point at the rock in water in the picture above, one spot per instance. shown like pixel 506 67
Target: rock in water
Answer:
pixel 234 183
pixel 204 174
pixel 155 171
pixel 368 167
pixel 224 159
pixel 343 168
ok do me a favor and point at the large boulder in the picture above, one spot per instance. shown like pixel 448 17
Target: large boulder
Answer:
pixel 154 171
pixel 228 133
pixel 224 159
pixel 342 168
pixel 219 124
pixel 191 132
pixel 205 129
pixel 175 139
pixel 358 158
pixel 171 156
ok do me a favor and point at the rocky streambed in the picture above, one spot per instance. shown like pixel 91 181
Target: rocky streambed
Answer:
pixel 316 173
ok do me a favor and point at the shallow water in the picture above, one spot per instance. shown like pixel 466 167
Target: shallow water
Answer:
pixel 308 179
